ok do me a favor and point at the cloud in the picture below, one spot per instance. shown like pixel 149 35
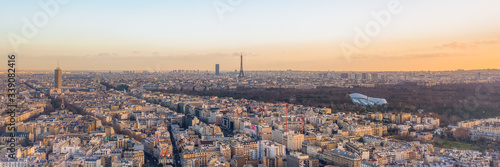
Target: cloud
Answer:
pixel 432 55
pixel 208 56
pixel 456 45
pixel 467 45
pixel 405 56
pixel 490 42
pixel 105 55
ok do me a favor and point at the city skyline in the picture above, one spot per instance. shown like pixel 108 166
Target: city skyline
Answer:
pixel 162 36
pixel 237 71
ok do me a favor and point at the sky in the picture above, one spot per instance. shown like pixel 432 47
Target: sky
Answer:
pixel 355 35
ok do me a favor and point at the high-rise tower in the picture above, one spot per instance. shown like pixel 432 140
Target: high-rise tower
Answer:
pixel 241 68
pixel 216 69
pixel 58 77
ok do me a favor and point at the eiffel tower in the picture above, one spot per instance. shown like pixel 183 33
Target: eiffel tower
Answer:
pixel 241 68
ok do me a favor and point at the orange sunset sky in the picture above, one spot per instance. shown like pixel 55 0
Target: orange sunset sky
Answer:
pixel 277 35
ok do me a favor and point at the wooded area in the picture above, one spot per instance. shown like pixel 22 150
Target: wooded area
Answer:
pixel 453 102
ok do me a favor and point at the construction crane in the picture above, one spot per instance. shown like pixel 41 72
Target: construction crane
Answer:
pixel 260 133
pixel 237 112
pixel 164 155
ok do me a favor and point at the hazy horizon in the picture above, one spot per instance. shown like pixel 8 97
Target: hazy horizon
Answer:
pixel 237 71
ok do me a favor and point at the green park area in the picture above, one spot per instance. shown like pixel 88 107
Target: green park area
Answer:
pixel 453 144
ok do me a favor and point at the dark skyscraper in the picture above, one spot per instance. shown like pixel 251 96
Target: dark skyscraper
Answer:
pixel 58 78
pixel 217 69
pixel 241 68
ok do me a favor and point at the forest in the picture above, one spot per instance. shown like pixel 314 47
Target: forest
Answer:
pixel 449 102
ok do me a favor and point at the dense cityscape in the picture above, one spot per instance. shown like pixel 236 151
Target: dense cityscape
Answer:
pixel 249 83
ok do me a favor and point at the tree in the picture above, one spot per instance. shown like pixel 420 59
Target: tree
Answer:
pixel 26 142
pixel 361 140
pixel 461 134
pixel 122 87
pixel 132 117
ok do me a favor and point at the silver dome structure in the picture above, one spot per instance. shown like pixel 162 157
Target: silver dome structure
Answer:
pixel 364 100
